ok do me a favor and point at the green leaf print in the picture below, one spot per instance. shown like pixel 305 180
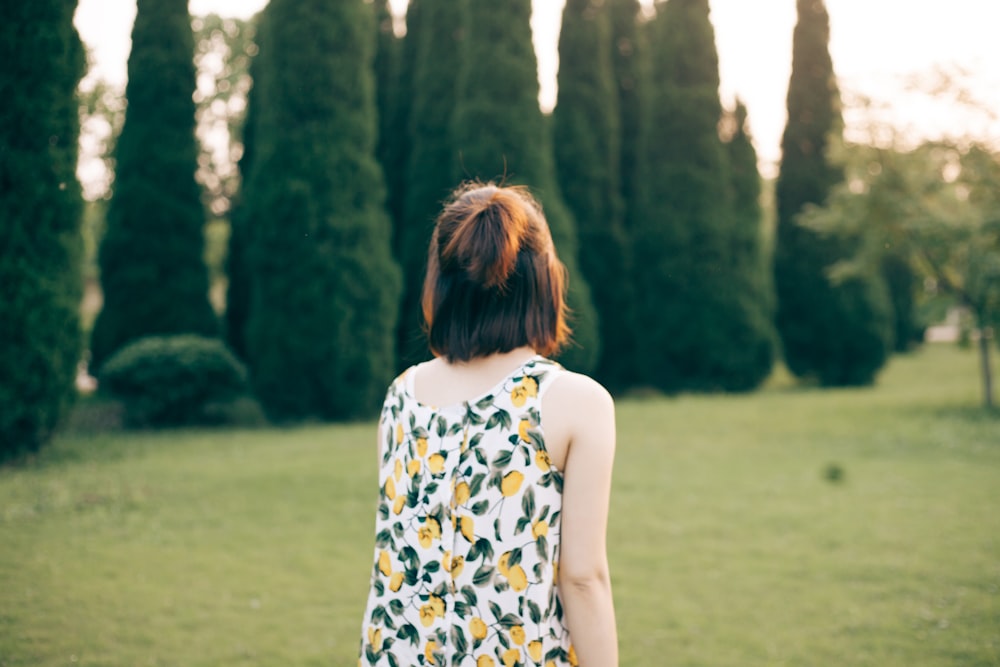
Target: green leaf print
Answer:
pixel 502 460
pixel 485 402
pixel 528 502
pixel 458 637
pixel 482 575
pixel 534 612
pixel 409 632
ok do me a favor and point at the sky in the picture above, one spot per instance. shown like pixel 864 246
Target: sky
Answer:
pixel 880 49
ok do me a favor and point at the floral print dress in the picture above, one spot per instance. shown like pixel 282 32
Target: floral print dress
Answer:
pixel 467 532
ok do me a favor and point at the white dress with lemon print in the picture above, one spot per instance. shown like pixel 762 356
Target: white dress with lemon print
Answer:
pixel 467 532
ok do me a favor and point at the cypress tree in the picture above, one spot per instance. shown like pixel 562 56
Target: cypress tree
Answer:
pixel 237 271
pixel 325 287
pixel 152 269
pixel 393 70
pixel 630 55
pixel 754 355
pixel 435 28
pixel 40 210
pixel 837 333
pixel 500 133
pixel 696 330
pixel 586 134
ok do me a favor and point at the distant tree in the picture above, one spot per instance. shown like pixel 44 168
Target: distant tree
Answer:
pixel 224 47
pixel 586 133
pixel 839 333
pixel 324 287
pixel 40 209
pixel 435 27
pixel 696 327
pixel 151 258
pixel 237 270
pixel 750 262
pixel 500 133
pixel 393 89
pixel 630 56
pixel 937 209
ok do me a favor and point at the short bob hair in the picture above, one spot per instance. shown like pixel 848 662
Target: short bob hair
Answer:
pixel 494 282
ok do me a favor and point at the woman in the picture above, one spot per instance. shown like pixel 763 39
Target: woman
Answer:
pixel 494 463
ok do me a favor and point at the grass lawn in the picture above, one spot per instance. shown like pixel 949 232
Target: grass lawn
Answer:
pixel 730 543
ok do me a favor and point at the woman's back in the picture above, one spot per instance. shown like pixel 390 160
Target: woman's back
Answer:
pixel 468 529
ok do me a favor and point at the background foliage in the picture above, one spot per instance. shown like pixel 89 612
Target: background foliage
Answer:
pixel 40 210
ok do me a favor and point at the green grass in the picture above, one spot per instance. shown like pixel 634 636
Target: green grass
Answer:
pixel 730 546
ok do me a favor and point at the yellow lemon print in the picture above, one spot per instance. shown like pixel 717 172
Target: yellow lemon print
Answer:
pixel 430 531
pixel 543 461
pixel 518 395
pixel 436 464
pixel 485 661
pixel 384 563
pixel 462 493
pixel 469 528
pixel 446 561
pixel 535 650
pixel 429 651
pixel 456 567
pixel 399 433
pixel 426 615
pixel 540 529
pixel 399 470
pixel 511 657
pixel 395 581
pixel 517 578
pixel 421 447
pixel 397 506
pixel 530 386
pixel 437 604
pixel 522 430
pixel 375 638
pixel 511 483
pixel 502 564
pixel 390 489
pixel 477 628
pixel 517 634
pixel 572 656
pixel 413 467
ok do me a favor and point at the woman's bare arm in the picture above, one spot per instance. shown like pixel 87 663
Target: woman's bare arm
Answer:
pixel 584 579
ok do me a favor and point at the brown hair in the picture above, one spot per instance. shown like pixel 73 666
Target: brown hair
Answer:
pixel 493 281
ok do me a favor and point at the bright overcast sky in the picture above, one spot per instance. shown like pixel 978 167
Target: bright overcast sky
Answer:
pixel 875 44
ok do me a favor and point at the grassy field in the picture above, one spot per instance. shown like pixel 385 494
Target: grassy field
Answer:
pixel 790 527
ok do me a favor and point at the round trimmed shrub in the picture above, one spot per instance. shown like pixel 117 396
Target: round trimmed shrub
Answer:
pixel 174 380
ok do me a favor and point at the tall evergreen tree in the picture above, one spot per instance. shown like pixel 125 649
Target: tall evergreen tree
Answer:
pixel 325 288
pixel 837 333
pixel 752 284
pixel 40 210
pixel 630 56
pixel 435 27
pixel 237 271
pixel 695 330
pixel 587 140
pixel 152 266
pixel 500 133
pixel 393 88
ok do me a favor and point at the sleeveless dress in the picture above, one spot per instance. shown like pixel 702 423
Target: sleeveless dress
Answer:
pixel 467 532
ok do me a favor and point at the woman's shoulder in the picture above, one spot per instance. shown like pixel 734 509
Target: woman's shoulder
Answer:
pixel 578 391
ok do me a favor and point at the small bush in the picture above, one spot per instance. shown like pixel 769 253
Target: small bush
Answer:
pixel 174 380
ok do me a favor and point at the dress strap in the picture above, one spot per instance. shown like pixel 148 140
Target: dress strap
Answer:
pixel 552 371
